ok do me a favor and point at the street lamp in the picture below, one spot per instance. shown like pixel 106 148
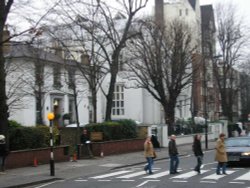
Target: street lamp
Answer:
pixel 51 117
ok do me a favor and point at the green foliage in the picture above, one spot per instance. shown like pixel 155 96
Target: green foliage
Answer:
pixel 66 116
pixel 13 124
pixel 21 137
pixel 122 129
pixel 26 138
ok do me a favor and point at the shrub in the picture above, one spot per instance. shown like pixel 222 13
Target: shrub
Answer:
pixel 21 137
pixel 122 129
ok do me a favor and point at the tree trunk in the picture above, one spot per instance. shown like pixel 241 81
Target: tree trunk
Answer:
pixel 109 96
pixel 3 99
pixel 170 116
pixel 94 104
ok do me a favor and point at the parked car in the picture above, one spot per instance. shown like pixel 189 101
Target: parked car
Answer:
pixel 238 150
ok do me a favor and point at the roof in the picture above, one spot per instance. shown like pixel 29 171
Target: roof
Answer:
pixel 24 50
pixel 192 3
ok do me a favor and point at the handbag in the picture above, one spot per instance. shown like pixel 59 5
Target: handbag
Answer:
pixel 154 155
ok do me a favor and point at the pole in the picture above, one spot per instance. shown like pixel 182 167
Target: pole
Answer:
pixel 205 100
pixel 52 164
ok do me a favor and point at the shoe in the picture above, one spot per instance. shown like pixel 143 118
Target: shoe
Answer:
pixel 150 173
pixel 225 173
pixel 218 173
pixel 172 173
pixel 177 172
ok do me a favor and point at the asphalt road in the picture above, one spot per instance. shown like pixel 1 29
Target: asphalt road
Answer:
pixel 135 177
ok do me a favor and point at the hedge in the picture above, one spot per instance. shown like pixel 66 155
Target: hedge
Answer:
pixel 114 130
pixel 21 137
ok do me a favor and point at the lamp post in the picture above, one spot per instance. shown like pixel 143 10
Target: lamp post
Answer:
pixel 50 117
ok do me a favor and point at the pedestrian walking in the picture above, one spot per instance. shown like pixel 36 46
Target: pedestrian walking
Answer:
pixel 173 154
pixel 221 155
pixel 149 153
pixel 155 143
pixel 3 153
pixel 198 152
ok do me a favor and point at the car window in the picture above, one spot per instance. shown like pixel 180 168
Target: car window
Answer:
pixel 237 142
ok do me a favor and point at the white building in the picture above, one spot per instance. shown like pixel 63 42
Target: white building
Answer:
pixel 26 67
pixel 129 103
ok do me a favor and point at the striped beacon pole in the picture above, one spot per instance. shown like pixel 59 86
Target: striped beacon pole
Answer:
pixel 51 116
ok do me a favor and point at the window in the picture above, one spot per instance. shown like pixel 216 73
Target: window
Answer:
pixel 118 101
pixel 71 78
pixel 180 12
pixel 186 11
pixel 39 74
pixel 57 77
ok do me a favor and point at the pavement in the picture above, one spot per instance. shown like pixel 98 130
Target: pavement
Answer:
pixel 31 176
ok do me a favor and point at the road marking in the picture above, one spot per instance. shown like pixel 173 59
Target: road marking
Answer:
pixel 237 182
pixel 128 180
pixel 110 174
pixel 132 175
pixel 208 181
pixel 81 180
pixel 157 175
pixel 143 183
pixel 180 181
pixel 104 180
pixel 45 185
pixel 111 165
pixel 188 175
pixel 246 176
pixel 216 177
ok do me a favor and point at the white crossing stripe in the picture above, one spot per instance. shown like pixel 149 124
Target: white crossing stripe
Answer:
pixel 246 176
pixel 133 174
pixel 111 174
pixel 188 175
pixel 158 175
pixel 216 177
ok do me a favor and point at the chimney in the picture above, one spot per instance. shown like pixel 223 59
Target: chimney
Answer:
pixel 159 12
pixel 85 59
pixel 5 39
pixel 57 48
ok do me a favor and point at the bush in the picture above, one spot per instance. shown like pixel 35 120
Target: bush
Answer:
pixel 122 129
pixel 21 137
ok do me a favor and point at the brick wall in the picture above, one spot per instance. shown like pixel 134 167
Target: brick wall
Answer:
pixel 117 147
pixel 24 158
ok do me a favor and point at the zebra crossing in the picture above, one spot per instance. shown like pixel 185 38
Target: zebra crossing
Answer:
pixel 206 176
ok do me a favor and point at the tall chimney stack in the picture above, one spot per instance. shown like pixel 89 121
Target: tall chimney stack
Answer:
pixel 159 12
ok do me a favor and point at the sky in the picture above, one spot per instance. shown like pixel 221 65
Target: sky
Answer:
pixel 42 5
pixel 242 6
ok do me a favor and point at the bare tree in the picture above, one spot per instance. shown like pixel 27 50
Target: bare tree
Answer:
pixel 231 40
pixel 102 36
pixel 162 63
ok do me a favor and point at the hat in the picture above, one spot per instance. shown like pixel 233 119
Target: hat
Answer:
pixel 2 137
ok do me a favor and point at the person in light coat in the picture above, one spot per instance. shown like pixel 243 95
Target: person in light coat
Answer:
pixel 221 155
pixel 149 154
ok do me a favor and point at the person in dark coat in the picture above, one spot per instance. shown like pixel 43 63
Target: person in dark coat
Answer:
pixel 173 154
pixel 198 152
pixel 155 142
pixel 3 152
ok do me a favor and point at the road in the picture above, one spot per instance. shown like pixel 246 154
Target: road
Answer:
pixel 135 177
